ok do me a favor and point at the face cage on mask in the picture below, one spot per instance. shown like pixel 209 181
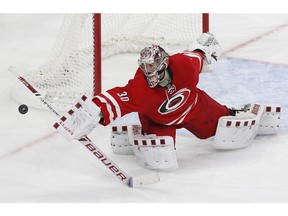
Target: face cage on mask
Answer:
pixel 152 77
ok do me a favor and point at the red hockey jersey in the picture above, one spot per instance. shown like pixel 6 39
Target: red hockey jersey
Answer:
pixel 171 105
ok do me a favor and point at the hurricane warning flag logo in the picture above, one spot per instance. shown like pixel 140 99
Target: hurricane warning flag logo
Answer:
pixel 174 102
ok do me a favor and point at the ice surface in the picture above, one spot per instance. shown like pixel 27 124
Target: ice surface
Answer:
pixel 37 165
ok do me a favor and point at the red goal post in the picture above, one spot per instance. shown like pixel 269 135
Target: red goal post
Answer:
pixel 97 47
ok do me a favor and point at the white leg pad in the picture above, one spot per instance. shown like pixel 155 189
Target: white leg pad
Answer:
pixel 120 143
pixel 270 120
pixel 234 132
pixel 151 151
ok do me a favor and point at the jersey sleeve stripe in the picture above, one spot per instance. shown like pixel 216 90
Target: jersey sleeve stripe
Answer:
pixel 114 103
pixel 108 108
pixel 193 55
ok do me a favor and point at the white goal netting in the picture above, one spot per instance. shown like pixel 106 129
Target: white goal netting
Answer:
pixel 68 72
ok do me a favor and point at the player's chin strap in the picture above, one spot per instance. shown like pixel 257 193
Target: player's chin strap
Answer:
pixel 151 151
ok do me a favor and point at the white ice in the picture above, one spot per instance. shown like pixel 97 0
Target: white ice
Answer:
pixel 37 165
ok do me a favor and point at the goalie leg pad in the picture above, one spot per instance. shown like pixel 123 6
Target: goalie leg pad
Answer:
pixel 120 143
pixel 151 151
pixel 234 132
pixel 270 120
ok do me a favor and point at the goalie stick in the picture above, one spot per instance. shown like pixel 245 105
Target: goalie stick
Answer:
pixel 131 181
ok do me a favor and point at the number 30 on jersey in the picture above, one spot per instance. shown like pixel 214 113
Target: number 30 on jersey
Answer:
pixel 123 96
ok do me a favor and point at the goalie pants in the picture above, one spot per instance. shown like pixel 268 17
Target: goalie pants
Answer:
pixel 202 124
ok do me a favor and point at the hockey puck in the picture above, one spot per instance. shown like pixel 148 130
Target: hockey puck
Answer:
pixel 23 109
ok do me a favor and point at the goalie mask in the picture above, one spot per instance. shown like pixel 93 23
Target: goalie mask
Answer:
pixel 153 62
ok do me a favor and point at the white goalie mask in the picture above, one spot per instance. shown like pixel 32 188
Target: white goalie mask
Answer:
pixel 153 62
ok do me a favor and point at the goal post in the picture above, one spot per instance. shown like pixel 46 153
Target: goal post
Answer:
pixel 97 82
pixel 73 67
pixel 98 51
pixel 205 22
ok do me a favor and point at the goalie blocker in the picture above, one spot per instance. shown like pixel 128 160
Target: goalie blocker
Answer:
pixel 80 120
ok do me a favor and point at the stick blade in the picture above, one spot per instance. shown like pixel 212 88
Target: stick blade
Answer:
pixel 142 180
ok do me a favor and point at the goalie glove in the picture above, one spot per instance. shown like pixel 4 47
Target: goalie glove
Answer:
pixel 79 120
pixel 209 46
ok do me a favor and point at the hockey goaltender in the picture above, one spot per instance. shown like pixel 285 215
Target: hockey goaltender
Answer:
pixel 165 95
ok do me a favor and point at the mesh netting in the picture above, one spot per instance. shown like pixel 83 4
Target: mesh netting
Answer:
pixel 68 71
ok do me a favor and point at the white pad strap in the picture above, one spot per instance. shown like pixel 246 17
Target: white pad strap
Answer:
pixel 238 131
pixel 80 120
pixel 120 141
pixel 151 151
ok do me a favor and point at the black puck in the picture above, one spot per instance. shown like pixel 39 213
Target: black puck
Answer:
pixel 23 109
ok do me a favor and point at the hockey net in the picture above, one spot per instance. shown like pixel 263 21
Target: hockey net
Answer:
pixel 69 71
